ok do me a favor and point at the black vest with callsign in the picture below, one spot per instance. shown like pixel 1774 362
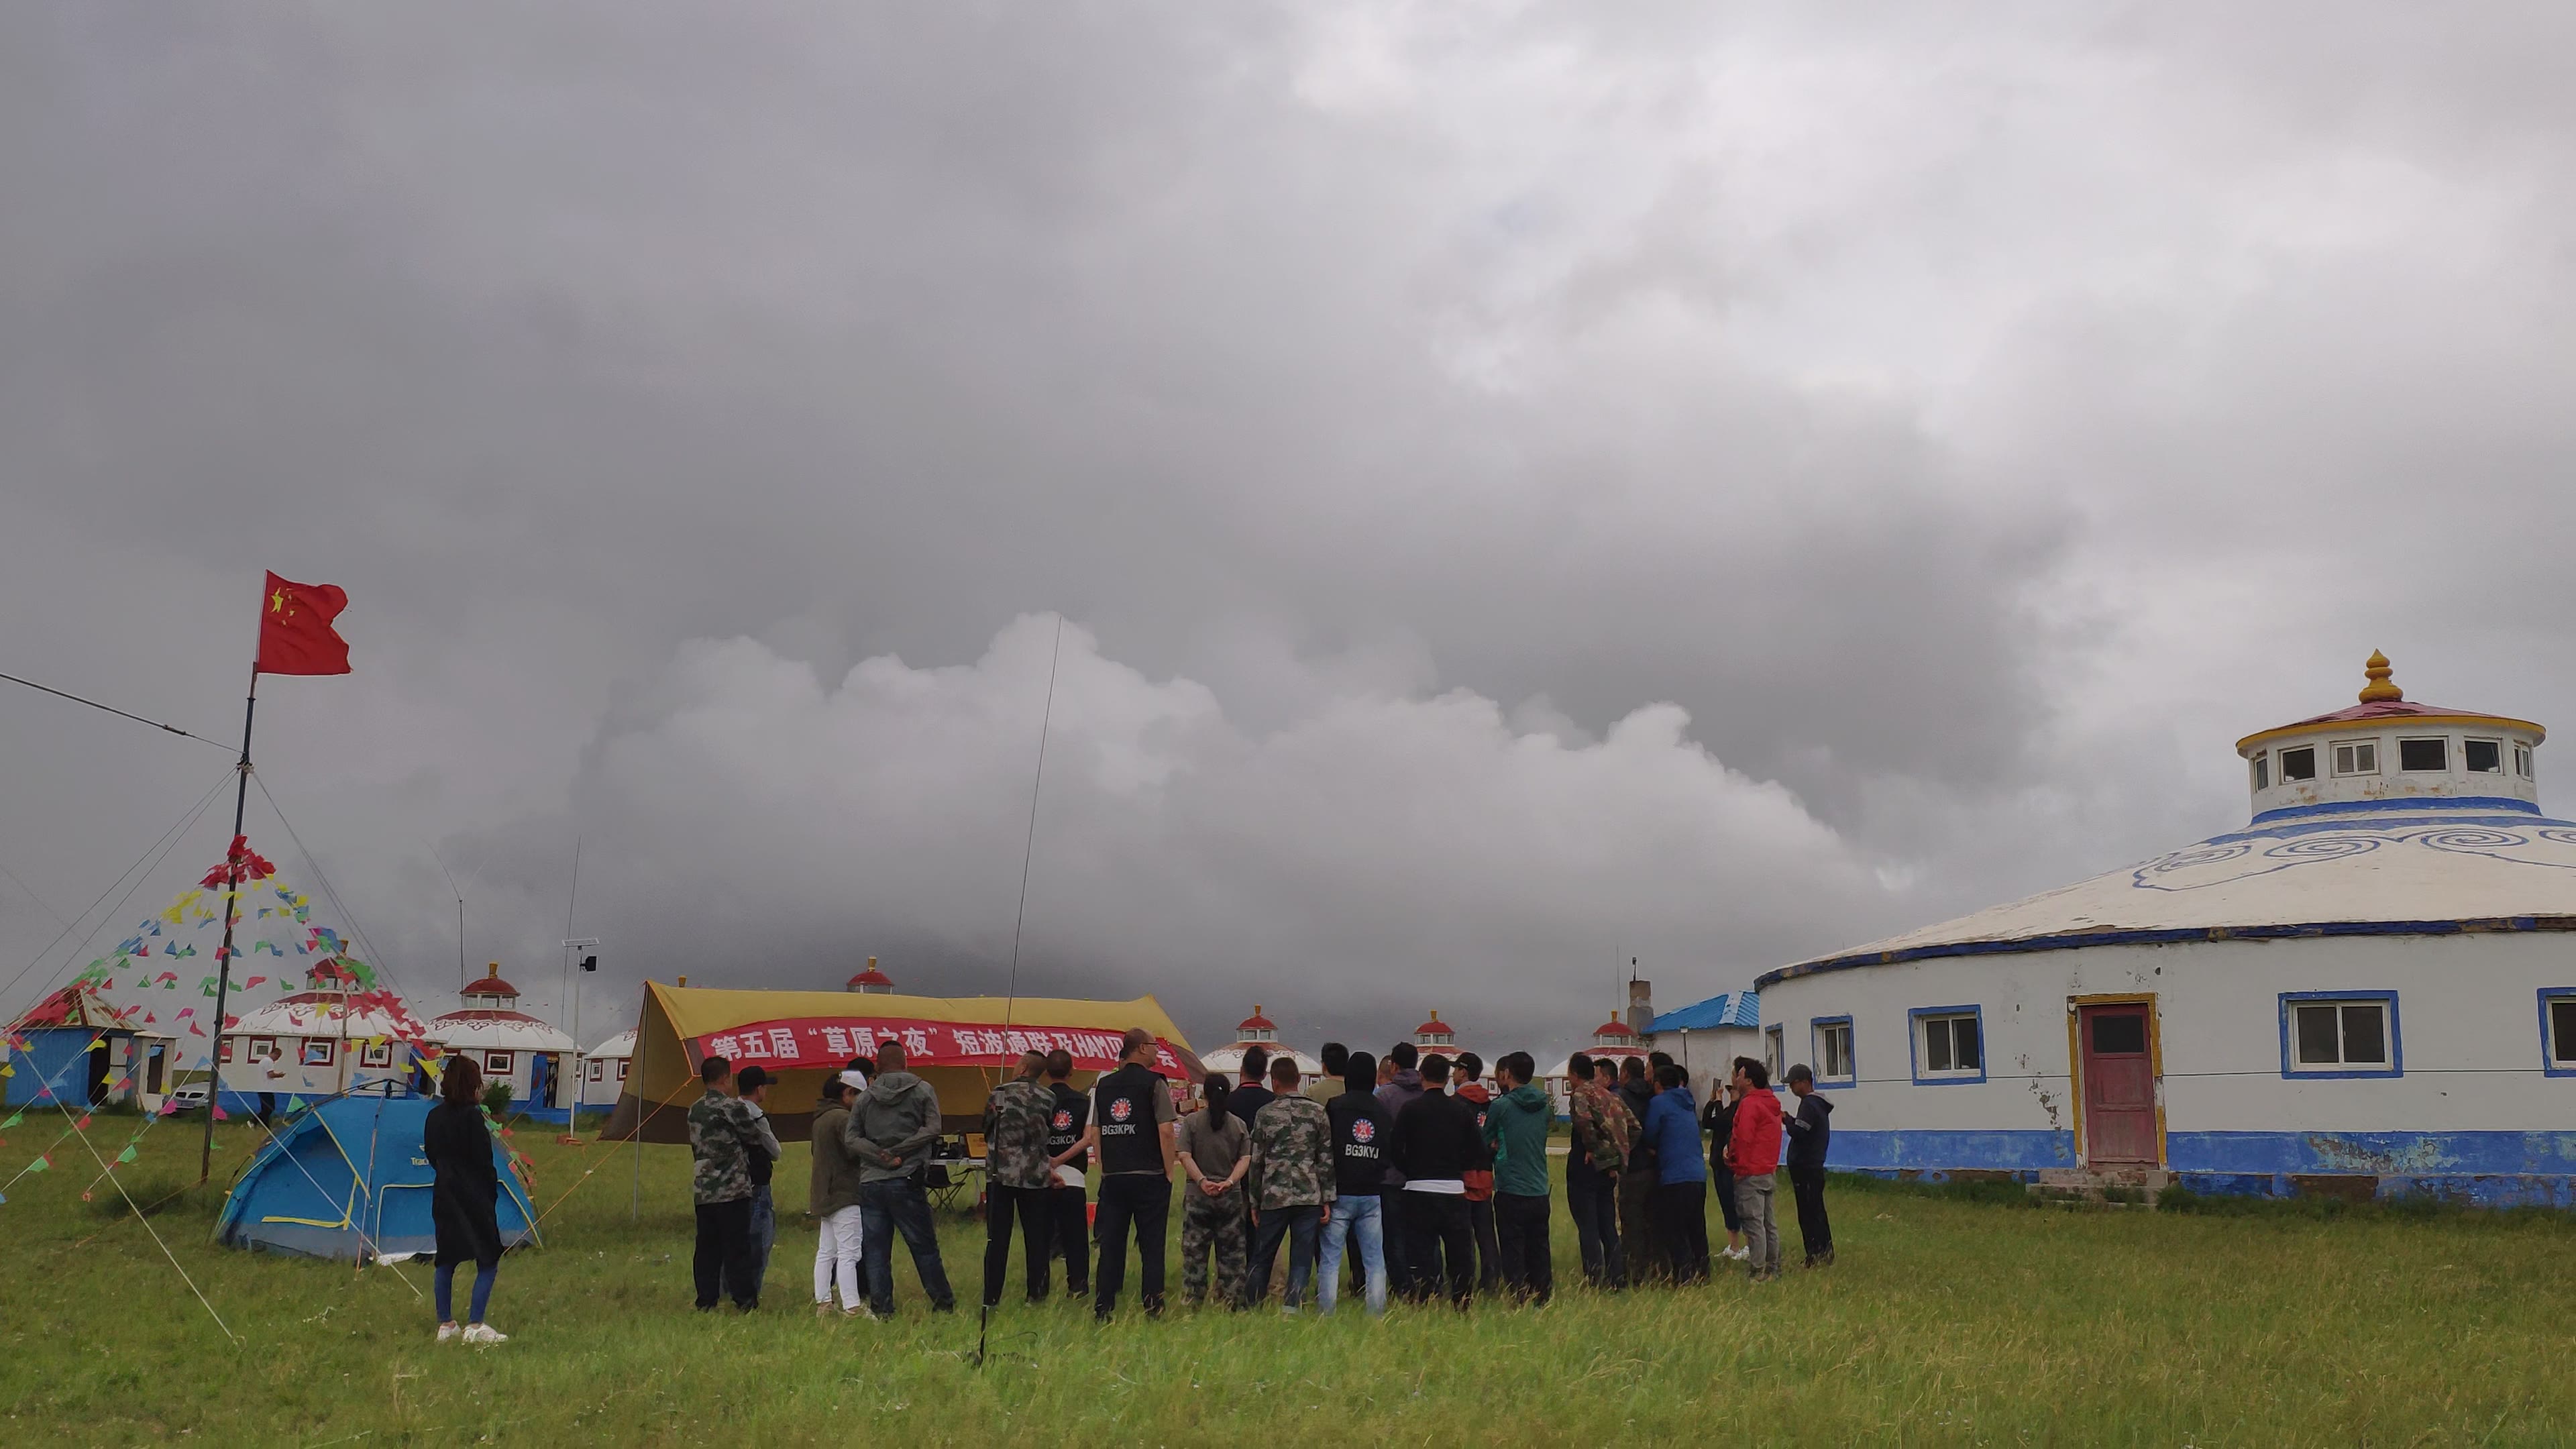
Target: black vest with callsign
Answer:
pixel 1122 1109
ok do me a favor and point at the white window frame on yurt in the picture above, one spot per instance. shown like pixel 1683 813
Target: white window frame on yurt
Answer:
pixel 2558 1031
pixel 377 1054
pixel 1817 1030
pixel 598 1069
pixel 499 1063
pixel 621 1069
pixel 262 1049
pixel 1775 1052
pixel 2292 1002
pixel 318 1051
pixel 2439 742
pixel 1918 1022
pixel 2356 757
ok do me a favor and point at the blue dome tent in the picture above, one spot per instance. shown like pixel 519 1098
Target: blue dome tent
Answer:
pixel 347 1180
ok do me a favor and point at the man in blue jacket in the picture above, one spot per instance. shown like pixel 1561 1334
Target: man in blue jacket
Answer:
pixel 1679 1206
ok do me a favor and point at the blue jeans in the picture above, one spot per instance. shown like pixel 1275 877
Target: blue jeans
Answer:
pixel 1362 1219
pixel 1297 1225
pixel 896 1205
pixel 764 1236
pixel 444 1282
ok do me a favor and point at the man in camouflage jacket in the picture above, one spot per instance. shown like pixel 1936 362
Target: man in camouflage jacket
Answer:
pixel 1604 1130
pixel 724 1131
pixel 1017 1178
pixel 1292 1185
pixel 1603 1124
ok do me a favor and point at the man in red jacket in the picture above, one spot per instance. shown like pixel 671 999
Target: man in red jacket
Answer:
pixel 1753 1155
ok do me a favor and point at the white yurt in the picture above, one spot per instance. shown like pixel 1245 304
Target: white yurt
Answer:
pixel 507 1043
pixel 1439 1036
pixel 333 1036
pixel 1257 1030
pixel 603 1070
pixel 1612 1041
pixel 2368 990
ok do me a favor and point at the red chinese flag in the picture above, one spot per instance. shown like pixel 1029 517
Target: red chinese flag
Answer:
pixel 295 633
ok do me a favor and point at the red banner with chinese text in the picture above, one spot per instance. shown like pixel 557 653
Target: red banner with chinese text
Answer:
pixel 829 1042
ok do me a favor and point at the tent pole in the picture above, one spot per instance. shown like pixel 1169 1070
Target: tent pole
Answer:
pixel 224 956
pixel 635 1213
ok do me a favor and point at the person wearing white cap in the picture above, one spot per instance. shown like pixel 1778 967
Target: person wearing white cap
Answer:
pixel 833 1199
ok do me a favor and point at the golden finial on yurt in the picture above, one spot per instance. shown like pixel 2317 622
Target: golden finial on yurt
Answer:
pixel 2379 688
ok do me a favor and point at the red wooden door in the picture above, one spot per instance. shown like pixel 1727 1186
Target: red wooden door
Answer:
pixel 2119 1086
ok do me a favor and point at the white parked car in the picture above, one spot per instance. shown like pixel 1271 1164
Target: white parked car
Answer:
pixel 190 1098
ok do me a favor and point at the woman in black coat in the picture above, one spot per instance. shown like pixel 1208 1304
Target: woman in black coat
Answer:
pixel 464 1201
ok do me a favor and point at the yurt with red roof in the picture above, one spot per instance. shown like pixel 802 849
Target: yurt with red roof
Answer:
pixel 74 1047
pixel 511 1047
pixel 336 1035
pixel 1613 1040
pixel 1257 1030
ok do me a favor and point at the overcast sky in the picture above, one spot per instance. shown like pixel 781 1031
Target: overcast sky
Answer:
pixel 1523 487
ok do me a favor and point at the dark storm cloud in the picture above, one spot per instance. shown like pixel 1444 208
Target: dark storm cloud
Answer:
pixel 1969 426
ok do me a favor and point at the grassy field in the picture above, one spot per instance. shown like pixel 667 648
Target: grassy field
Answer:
pixel 1948 1320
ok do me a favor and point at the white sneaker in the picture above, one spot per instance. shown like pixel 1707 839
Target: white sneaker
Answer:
pixel 447 1332
pixel 484 1333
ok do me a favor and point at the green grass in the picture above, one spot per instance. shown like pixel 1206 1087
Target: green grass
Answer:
pixel 1952 1318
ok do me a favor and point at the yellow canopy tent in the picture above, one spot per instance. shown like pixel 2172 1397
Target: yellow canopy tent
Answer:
pixel 962 1046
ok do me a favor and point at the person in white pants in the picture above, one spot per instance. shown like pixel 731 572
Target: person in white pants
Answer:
pixel 833 1201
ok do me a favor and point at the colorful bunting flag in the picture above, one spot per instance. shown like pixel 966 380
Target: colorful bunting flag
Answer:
pixel 82 1124
pixel 221 1115
pixel 42 1164
pixel 130 1154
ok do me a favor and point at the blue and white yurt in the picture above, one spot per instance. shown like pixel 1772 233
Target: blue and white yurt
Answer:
pixel 347 1180
pixel 2367 991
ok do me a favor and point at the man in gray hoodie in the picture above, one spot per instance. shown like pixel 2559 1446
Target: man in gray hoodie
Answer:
pixel 890 1133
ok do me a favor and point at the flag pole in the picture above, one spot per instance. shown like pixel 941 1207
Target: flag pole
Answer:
pixel 224 956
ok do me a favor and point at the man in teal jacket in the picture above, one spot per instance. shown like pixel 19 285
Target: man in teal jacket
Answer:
pixel 1516 1129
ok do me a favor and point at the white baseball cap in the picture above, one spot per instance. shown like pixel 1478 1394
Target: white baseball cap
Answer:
pixel 855 1080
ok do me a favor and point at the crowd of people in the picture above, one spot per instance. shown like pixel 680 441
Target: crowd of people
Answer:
pixel 1408 1173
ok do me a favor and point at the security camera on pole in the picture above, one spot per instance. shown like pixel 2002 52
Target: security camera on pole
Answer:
pixel 589 963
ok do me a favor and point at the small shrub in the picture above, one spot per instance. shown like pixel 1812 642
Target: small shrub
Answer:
pixel 496 1098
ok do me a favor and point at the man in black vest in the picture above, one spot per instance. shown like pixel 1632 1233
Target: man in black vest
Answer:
pixel 1071 1239
pixel 1131 1128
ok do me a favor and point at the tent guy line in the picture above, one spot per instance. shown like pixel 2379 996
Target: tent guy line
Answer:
pixel 140 870
pixel 112 709
pixel 147 1226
